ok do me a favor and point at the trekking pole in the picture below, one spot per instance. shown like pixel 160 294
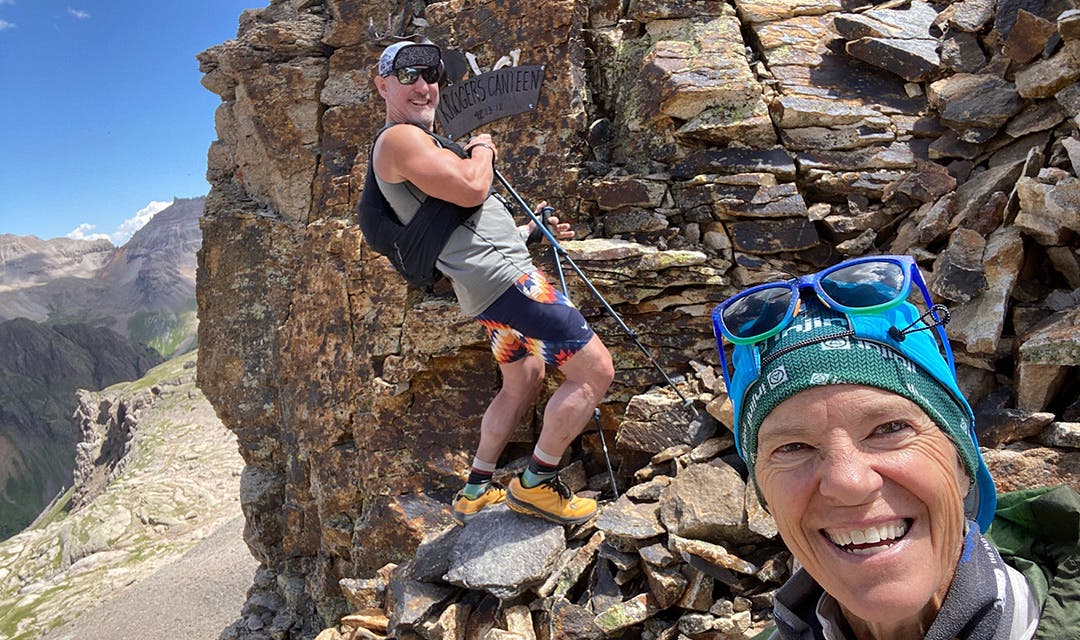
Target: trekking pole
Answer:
pixel 607 458
pixel 560 252
pixel 544 213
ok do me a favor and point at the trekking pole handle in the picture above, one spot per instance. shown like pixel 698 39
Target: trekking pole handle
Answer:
pixel 544 213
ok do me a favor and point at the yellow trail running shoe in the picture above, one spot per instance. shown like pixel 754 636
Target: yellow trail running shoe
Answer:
pixel 551 500
pixel 465 509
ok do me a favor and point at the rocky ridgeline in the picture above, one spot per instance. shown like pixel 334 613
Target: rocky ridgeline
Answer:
pixel 156 474
pixel 698 147
pixel 41 366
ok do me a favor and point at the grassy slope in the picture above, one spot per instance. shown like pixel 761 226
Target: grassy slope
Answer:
pixel 167 333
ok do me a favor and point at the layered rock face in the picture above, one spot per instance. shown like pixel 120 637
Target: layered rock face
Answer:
pixel 698 147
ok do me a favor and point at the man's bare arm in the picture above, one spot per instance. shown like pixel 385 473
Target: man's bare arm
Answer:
pixel 405 152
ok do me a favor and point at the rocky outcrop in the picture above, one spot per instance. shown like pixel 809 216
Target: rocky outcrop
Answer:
pixel 40 369
pixel 697 147
pixel 157 473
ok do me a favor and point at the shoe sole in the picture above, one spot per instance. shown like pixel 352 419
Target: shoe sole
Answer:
pixel 528 509
pixel 463 518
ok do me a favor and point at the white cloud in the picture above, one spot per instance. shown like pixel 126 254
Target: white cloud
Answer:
pixel 85 232
pixel 4 24
pixel 79 13
pixel 128 227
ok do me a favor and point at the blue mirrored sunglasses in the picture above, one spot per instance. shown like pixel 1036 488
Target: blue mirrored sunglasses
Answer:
pixel 860 286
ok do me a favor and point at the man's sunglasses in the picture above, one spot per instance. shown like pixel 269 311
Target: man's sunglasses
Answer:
pixel 860 286
pixel 409 75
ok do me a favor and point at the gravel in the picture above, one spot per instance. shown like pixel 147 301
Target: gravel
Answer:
pixel 193 598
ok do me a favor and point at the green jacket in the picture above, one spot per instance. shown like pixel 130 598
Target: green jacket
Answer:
pixel 1037 531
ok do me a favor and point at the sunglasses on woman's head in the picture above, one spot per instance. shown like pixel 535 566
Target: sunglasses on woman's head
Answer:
pixel 409 75
pixel 860 286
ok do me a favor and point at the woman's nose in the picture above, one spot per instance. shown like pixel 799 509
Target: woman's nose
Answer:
pixel 847 476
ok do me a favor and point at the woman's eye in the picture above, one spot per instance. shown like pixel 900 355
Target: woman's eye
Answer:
pixel 891 427
pixel 791 447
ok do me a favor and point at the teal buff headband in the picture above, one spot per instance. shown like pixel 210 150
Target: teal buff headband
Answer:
pixel 889 348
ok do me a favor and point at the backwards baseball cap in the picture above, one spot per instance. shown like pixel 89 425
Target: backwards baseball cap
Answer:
pixel 823 346
pixel 408 54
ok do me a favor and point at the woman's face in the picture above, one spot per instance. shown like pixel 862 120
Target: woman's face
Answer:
pixel 867 493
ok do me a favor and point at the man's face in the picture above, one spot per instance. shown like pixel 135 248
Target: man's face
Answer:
pixel 413 103
pixel 867 493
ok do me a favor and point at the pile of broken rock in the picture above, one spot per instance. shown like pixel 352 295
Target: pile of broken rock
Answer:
pixel 688 550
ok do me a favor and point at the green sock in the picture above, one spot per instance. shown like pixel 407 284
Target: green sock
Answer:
pixel 530 478
pixel 479 479
pixel 474 491
pixel 542 467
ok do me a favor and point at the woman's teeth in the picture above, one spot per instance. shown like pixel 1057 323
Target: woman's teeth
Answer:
pixel 870 540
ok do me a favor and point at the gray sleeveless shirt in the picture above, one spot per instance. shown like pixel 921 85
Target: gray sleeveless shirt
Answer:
pixel 484 256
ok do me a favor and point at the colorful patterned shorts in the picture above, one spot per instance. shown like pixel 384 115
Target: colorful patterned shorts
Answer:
pixel 534 318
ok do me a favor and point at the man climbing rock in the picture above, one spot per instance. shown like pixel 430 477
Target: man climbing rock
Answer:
pixel 529 322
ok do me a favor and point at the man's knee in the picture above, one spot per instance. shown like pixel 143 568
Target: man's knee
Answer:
pixel 605 368
pixel 535 377
pixel 524 377
pixel 594 367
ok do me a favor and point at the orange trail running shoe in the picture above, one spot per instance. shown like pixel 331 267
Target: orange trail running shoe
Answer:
pixel 551 500
pixel 465 509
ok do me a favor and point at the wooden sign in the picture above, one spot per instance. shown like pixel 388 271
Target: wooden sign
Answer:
pixel 465 105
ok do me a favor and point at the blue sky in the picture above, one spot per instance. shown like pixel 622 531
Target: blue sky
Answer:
pixel 102 117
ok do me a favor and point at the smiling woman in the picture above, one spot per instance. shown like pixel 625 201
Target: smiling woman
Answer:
pixel 870 498
pixel 860 444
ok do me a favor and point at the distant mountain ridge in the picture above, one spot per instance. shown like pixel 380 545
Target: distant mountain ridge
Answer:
pixel 144 290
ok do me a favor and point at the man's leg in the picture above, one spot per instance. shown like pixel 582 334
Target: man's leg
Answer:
pixel 588 375
pixel 521 382
pixel 535 317
pixel 537 491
